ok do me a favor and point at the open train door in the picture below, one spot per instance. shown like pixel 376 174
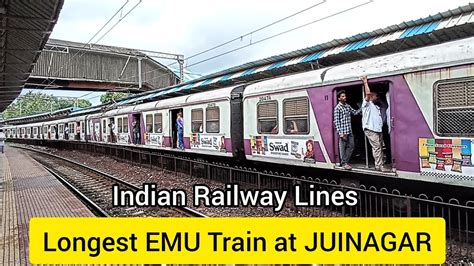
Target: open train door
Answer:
pixel 173 127
pixel 362 157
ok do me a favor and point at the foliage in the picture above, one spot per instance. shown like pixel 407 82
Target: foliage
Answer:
pixel 110 97
pixel 36 103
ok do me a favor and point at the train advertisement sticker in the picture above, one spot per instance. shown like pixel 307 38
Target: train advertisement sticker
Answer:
pixel 207 142
pixel 122 138
pixel 453 156
pixel 294 149
pixel 154 139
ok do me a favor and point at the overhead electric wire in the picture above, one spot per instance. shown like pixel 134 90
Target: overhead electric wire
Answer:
pixel 103 35
pixel 242 36
pixel 224 43
pixel 256 42
pixel 281 33
pixel 257 30
pixel 278 34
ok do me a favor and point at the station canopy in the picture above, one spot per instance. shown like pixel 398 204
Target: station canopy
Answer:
pixel 26 26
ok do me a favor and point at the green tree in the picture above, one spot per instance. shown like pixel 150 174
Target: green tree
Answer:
pixel 109 97
pixel 65 103
pixel 36 103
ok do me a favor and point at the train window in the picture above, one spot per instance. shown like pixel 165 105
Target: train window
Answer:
pixel 158 123
pixel 28 131
pixel 267 117
pixel 454 107
pixel 212 120
pixel 83 127
pixel 45 129
pixel 125 125
pixel 149 123
pixel 35 131
pixel 119 125
pixel 104 126
pixel 196 121
pixel 295 115
pixel 61 129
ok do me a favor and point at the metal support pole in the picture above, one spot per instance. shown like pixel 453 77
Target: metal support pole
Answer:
pixel 150 157
pixel 181 70
pixel 408 206
pixel 139 72
pixel 161 162
pixel 190 169
pixel 124 67
pixel 365 139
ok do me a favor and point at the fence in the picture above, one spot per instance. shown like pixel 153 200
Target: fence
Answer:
pixel 372 202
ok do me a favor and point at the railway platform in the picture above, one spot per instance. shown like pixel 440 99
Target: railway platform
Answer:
pixel 27 190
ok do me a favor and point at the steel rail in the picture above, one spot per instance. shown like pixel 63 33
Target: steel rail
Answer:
pixel 184 210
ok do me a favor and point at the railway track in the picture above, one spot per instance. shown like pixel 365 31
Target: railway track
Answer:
pixel 94 187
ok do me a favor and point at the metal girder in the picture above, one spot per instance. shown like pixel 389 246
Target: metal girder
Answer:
pixel 22 64
pixel 13 73
pixel 56 48
pixel 22 50
pixel 162 55
pixel 10 16
pixel 23 29
pixel 1 87
pixel 13 81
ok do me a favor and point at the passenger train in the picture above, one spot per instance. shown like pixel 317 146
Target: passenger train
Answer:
pixel 289 119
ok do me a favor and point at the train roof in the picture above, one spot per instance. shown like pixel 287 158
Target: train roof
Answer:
pixel 440 28
pixel 207 96
pixel 443 27
pixel 453 53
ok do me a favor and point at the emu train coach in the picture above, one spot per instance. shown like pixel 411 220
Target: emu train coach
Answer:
pixel 428 92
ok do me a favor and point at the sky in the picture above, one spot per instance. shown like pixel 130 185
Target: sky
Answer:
pixel 189 27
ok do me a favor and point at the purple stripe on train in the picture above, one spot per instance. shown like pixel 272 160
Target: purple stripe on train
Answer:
pixel 318 152
pixel 228 145
pixel 408 122
pixel 167 141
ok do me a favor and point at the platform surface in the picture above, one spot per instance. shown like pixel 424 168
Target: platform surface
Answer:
pixel 27 190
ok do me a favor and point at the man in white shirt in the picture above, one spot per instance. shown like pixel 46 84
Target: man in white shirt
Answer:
pixel 2 140
pixel 372 124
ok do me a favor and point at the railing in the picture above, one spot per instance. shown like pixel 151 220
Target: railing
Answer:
pixel 372 201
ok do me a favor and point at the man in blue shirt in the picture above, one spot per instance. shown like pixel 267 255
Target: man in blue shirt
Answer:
pixel 342 121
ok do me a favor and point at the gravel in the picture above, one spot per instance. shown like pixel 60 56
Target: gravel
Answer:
pixel 138 175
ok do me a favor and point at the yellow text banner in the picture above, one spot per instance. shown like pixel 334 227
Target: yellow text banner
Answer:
pixel 237 240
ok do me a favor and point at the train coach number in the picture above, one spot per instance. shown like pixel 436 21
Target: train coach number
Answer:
pixel 265 98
